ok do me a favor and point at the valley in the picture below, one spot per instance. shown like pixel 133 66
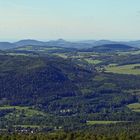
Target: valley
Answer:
pixel 50 89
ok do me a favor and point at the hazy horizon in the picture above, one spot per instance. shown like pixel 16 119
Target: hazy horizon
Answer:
pixel 70 40
pixel 70 20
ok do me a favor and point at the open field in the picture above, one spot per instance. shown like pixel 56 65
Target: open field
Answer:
pixel 130 52
pixel 63 55
pixel 34 48
pixel 125 69
pixel 28 112
pixel 13 107
pixel 133 92
pixel 134 107
pixel 102 122
pixel 27 126
pixel 92 61
pixel 18 54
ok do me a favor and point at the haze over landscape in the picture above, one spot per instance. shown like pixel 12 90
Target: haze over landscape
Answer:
pixel 69 70
pixel 69 19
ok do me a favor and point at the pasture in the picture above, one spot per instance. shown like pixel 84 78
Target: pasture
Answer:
pixel 124 69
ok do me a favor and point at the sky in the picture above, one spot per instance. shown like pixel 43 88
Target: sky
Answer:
pixel 70 19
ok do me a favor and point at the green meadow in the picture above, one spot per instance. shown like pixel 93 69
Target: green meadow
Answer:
pixel 92 61
pixel 18 110
pixel 124 69
pixel 102 122
pixel 134 107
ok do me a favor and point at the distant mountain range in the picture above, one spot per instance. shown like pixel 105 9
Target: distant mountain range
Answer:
pixel 109 48
pixel 103 42
pixel 66 44
pixel 6 45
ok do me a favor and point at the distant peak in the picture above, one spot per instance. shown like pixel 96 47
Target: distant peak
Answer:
pixel 27 40
pixel 61 40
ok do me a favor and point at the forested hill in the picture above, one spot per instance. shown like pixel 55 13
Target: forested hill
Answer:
pixel 37 79
pixel 109 48
pixel 67 90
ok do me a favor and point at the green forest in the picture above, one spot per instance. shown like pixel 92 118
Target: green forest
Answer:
pixel 74 94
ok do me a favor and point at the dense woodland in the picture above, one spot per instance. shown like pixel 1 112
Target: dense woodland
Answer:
pixel 69 90
pixel 70 136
